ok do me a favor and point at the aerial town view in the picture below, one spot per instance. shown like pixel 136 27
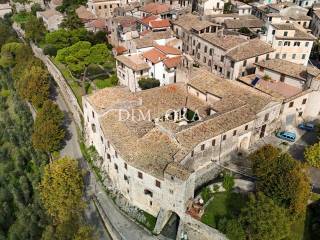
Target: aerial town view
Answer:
pixel 159 119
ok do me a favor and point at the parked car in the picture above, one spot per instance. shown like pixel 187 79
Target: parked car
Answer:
pixel 288 136
pixel 307 126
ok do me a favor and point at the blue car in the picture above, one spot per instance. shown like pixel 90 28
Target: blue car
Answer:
pixel 307 126
pixel 288 136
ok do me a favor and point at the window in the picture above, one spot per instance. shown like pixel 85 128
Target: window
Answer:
pixel 232 64
pixel 209 63
pixel 244 63
pixel 93 127
pixel 213 143
pixel 110 6
pixel 92 114
pixel 224 137
pixel 286 43
pixel 158 184
pixel 116 167
pixel 211 51
pixel 101 139
pixel 205 49
pixel 307 44
pixel 291 104
pixel 234 132
pixel 300 114
pixel 285 33
pixel 108 156
pixel 294 56
pixel 171 191
pixel 266 117
pixel 279 43
pixel 222 58
pixel 256 59
pixel 148 192
pixel 99 7
pixel 273 32
pixel 228 74
pixel 126 166
pixel 192 153
pixel 277 56
pixel 140 175
pixel 268 56
pixel 284 56
pixel 202 147
pixel 163 75
pixel 246 127
pixel 125 178
pixel 116 154
pixel 204 59
pixel 296 44
pixel 303 56
pixel 304 101
pixel 151 201
pixel 141 72
pixel 105 6
pixel 282 76
pixel 87 118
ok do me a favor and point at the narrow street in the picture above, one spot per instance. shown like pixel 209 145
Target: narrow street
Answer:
pixel 72 149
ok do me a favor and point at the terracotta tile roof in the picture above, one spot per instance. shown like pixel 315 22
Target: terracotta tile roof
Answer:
pixel 189 21
pixel 84 14
pixel 143 33
pixel 163 23
pixel 276 89
pixel 250 49
pixel 155 8
pixel 168 50
pixel 120 50
pixel 98 23
pixel 134 61
pixel 289 68
pixel 172 62
pixel 225 42
pixel 125 21
pixel 239 23
pixel 147 20
pixel 154 55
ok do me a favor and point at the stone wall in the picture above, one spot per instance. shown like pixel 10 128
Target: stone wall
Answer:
pixel 64 87
pixel 196 230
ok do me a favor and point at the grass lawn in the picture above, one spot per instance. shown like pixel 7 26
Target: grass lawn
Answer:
pixel 21 17
pixel 223 205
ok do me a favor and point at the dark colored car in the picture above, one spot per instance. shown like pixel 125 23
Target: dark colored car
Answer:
pixel 307 126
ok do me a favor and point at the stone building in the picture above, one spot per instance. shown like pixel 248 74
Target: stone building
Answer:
pixel 102 8
pixel 159 145
pixel 51 19
pixel 290 42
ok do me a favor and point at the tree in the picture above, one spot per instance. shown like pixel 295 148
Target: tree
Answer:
pixel 5 32
pixel 232 228
pixel 10 53
pixel 312 155
pixel 84 232
pixel 228 181
pixel 81 55
pixel 72 21
pixel 227 7
pixel 281 178
pixel 61 190
pixel 34 85
pixel 48 128
pixel 264 220
pixel 147 83
pixel 35 29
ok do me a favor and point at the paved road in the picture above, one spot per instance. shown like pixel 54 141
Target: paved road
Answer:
pixel 297 150
pixel 72 149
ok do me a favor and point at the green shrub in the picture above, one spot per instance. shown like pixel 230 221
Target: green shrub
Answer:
pixel 147 83
pixel 206 194
pixel 228 182
pixel 50 50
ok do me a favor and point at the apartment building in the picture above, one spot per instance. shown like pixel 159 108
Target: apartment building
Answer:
pixel 305 3
pixel 229 56
pixel 210 7
pixel 290 43
pixel 315 23
pixel 102 8
pixel 241 8
pixel 295 85
pixel 160 62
